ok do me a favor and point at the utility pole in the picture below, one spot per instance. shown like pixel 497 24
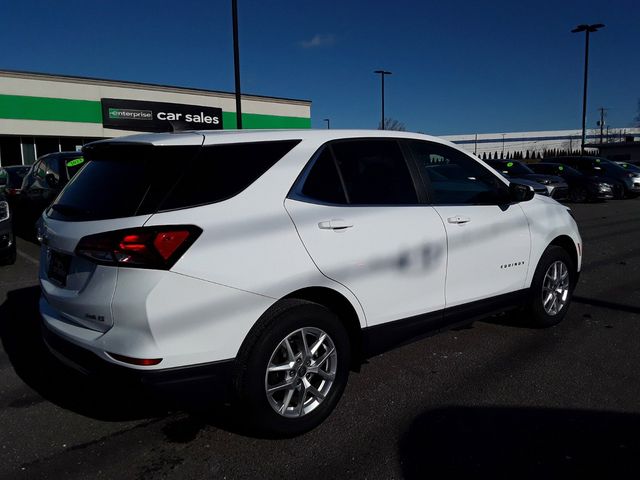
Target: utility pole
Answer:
pixel 503 144
pixel 601 122
pixel 475 146
pixel 382 74
pixel 587 29
pixel 236 63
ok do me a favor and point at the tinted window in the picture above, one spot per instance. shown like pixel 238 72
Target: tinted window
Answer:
pixel 222 171
pixel 73 165
pixel 323 182
pixel 511 168
pixel 15 176
pixel 456 178
pixel 121 181
pixel 374 172
pixel 52 166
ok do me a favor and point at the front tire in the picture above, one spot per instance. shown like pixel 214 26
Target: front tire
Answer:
pixel 293 368
pixel 552 288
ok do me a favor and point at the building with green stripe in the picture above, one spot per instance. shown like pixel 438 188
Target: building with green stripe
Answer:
pixel 41 113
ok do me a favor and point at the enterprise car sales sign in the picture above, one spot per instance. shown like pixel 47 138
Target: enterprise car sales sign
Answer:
pixel 158 117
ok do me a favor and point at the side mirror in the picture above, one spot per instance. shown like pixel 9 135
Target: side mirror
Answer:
pixel 51 180
pixel 520 193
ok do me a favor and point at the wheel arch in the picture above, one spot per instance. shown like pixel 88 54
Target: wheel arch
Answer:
pixel 566 242
pixel 343 309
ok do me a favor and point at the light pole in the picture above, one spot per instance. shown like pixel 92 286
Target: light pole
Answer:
pixel 382 74
pixel 588 29
pixel 236 62
pixel 328 123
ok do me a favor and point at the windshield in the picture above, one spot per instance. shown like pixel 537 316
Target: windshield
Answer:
pixel 512 168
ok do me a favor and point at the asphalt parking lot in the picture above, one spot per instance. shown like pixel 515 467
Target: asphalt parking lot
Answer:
pixel 494 399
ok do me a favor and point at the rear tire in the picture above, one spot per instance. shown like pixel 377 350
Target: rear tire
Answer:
pixel 551 288
pixel 284 387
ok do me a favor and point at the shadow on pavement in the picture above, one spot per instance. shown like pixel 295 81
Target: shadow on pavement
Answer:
pixel 492 442
pixel 604 304
pixel 100 398
pixel 39 369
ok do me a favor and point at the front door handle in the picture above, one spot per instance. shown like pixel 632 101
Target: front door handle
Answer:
pixel 335 224
pixel 458 219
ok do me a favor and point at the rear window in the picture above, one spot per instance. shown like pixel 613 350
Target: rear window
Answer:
pixel 15 176
pixel 127 180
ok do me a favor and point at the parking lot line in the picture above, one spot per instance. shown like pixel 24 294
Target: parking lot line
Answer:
pixel 28 257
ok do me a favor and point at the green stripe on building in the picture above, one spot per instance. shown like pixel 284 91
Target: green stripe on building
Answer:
pixel 20 107
pixel 54 109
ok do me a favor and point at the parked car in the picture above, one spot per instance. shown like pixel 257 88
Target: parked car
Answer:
pixel 631 167
pixel 537 187
pixel 601 167
pixel 555 185
pixel 7 236
pixel 4 178
pixel 15 176
pixel 582 187
pixel 271 263
pixel 45 179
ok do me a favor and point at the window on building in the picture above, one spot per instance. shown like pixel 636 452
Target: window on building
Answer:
pixel 46 145
pixel 28 150
pixel 10 153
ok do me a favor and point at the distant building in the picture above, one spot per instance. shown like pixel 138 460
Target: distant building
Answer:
pixel 538 142
pixel 41 113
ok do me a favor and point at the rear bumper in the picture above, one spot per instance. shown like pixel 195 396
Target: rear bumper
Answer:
pixel 213 379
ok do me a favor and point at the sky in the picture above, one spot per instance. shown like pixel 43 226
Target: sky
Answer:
pixel 459 67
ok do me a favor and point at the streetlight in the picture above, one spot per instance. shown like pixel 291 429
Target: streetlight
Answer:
pixel 588 29
pixel 236 62
pixel 382 74
pixel 328 123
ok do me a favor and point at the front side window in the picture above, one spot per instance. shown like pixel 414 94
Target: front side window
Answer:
pixel 456 178
pixel 374 172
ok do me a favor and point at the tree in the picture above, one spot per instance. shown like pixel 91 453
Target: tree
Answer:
pixel 637 119
pixel 392 124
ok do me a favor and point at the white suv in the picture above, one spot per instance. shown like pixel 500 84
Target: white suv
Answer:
pixel 268 264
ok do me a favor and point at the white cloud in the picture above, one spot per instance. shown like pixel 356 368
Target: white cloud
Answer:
pixel 319 40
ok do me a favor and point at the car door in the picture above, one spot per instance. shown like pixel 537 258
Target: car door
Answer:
pixel 488 237
pixel 358 213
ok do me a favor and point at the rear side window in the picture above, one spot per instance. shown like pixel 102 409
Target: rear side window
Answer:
pixel 374 172
pixel 323 182
pixel 121 181
pixel 221 171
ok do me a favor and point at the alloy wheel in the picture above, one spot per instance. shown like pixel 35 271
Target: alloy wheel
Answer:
pixel 555 288
pixel 301 372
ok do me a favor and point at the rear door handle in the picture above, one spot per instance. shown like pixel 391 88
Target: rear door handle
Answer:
pixel 335 224
pixel 458 219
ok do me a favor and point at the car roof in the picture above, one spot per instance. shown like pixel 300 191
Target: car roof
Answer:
pixel 61 155
pixel 17 167
pixel 210 137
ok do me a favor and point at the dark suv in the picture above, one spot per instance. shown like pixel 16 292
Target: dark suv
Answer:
pixel 513 169
pixel 46 179
pixel 582 187
pixel 628 183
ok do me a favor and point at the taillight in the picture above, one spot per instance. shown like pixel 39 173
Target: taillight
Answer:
pixel 12 191
pixel 145 247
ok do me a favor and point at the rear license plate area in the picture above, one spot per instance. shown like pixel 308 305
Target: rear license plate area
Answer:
pixel 59 267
